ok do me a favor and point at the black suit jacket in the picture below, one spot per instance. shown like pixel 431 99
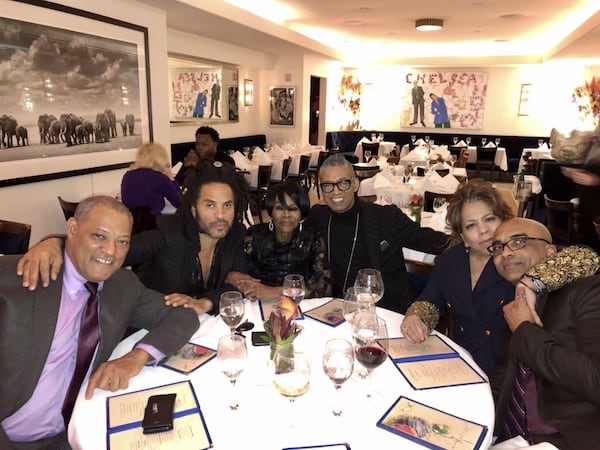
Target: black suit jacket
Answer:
pixel 388 230
pixel 28 320
pixel 564 356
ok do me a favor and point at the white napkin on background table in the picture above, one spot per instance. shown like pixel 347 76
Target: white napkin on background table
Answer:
pixel 372 163
pixel 241 162
pixel 438 219
pixel 380 181
pixel 442 185
pixel 277 152
pixel 420 142
pixel 489 145
pixel 544 146
pixel 365 139
pixel 461 144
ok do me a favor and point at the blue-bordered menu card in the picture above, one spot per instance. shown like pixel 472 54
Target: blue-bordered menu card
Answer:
pixel 124 414
pixel 330 313
pixel 431 427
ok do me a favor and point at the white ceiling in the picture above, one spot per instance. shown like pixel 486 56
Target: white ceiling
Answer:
pixel 482 32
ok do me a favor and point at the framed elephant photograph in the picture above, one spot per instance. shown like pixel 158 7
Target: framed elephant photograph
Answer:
pixel 75 92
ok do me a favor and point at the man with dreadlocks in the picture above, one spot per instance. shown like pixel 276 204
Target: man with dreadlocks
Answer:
pixel 190 253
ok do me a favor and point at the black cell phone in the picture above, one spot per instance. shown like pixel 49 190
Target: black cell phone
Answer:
pixel 158 415
pixel 257 338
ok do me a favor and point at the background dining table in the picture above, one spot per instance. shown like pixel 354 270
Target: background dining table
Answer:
pixel 265 419
pixel 418 156
pixel 385 148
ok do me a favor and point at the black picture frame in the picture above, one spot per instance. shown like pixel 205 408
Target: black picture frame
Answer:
pixel 107 69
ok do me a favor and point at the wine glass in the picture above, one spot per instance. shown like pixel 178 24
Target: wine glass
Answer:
pixel 354 303
pixel 497 141
pixel 231 309
pixel 438 203
pixel 338 364
pixel 294 288
pixel 371 281
pixel 426 139
pixel 455 140
pixel 371 344
pixel 367 155
pixel 468 140
pixel 540 142
pixel 291 377
pixel 232 355
pixel 413 139
pixel 483 140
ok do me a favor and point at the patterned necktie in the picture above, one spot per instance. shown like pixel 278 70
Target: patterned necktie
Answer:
pixel 515 423
pixel 89 335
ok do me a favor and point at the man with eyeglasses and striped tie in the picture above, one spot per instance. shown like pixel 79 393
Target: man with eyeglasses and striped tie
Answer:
pixel 549 391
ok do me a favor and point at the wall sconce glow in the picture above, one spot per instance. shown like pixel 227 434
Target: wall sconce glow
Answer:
pixel 248 92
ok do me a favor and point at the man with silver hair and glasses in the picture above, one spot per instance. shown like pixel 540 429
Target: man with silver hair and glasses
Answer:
pixel 549 388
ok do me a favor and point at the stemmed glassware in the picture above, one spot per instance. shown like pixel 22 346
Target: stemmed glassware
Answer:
pixel 294 288
pixel 367 155
pixel 371 344
pixel 483 140
pixel 455 140
pixel 232 355
pixel 231 309
pixel 413 139
pixel 497 141
pixel 338 364
pixel 354 302
pixel 291 376
pixel 371 282
pixel 438 204
pixel 540 142
pixel 468 140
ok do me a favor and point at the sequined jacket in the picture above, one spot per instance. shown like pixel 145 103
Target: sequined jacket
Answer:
pixel 270 261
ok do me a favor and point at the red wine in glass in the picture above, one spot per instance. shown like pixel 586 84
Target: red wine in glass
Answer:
pixel 370 356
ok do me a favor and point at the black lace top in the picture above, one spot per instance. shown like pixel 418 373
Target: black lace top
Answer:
pixel 305 254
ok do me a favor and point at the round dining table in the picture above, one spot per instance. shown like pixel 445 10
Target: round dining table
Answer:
pixel 266 420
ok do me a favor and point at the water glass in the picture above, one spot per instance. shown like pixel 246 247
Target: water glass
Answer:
pixel 497 140
pixel 294 287
pixel 413 138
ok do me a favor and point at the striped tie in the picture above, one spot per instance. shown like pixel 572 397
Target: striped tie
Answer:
pixel 516 414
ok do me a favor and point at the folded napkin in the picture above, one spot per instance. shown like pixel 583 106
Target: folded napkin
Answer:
pixel 372 163
pixel 489 145
pixel 380 181
pixel 438 219
pixel 461 144
pixel 442 185
pixel 365 139
pixel 544 146
pixel 241 162
pixel 277 152
pixel 258 151
pixel 420 142
pixel 383 200
pixel 261 158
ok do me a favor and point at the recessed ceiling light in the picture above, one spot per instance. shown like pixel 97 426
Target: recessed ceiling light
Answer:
pixel 429 24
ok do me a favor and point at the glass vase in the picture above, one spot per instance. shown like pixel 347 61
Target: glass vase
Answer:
pixel 415 211
pixel 286 350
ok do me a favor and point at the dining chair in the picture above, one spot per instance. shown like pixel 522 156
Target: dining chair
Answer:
pixel 393 160
pixel 560 216
pixel 257 194
pixel 285 168
pixel 68 208
pixel 373 147
pixel 14 237
pixel 300 177
pixel 313 171
pixel 455 151
pixel 143 219
pixel 485 160
pixel 428 198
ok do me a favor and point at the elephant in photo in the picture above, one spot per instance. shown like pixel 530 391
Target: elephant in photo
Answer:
pixel 68 123
pixel 130 119
pixel 9 129
pixel 124 127
pixel 88 130
pixel 102 128
pixel 112 121
pixel 54 132
pixel 44 121
pixel 22 136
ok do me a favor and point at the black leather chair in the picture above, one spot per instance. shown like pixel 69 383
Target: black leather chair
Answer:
pixel 428 198
pixel 560 217
pixel 143 219
pixel 68 208
pixel 258 193
pixel 14 237
pixel 373 147
pixel 485 160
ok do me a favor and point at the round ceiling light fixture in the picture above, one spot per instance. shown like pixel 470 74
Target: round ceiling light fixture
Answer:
pixel 429 24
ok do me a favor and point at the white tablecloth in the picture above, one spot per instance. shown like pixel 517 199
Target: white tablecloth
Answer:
pixel 384 149
pixel 536 153
pixel 419 156
pixel 263 419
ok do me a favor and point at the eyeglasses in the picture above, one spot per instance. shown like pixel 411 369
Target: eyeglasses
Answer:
pixel 342 185
pixel 515 243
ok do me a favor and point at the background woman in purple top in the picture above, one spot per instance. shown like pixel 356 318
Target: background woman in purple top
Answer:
pixel 149 180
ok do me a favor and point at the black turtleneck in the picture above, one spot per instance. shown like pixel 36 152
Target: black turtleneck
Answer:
pixel 340 238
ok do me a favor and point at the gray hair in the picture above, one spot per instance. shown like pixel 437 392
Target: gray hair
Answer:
pixel 85 206
pixel 337 160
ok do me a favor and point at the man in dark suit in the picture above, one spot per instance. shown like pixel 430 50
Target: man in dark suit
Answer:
pixel 418 102
pixel 559 344
pixel 39 331
pixel 360 235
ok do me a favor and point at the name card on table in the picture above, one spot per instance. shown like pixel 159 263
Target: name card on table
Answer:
pixel 431 427
pixel 124 415
pixel 433 364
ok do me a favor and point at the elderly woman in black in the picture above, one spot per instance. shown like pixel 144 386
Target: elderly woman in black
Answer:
pixel 283 246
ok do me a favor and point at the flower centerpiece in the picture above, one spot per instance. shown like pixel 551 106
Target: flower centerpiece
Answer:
pixel 416 205
pixel 280 328
pixel 437 160
pixel 587 98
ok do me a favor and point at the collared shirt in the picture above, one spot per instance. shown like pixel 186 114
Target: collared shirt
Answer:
pixel 41 415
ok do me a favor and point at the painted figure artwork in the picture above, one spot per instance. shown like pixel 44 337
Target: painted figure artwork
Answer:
pixel 193 91
pixel 64 92
pixel 282 106
pixel 444 99
pixel 232 98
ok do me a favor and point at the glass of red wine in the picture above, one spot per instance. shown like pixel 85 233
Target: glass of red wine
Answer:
pixel 371 343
